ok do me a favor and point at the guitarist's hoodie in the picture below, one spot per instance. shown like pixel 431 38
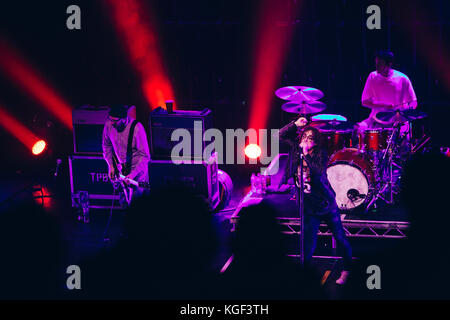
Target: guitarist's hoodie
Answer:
pixel 115 144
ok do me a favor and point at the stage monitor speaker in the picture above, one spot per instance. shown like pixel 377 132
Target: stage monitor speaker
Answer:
pixel 163 124
pixel 199 176
pixel 88 123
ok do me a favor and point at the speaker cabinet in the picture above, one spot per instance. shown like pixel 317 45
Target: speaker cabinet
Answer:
pixel 88 123
pixel 200 176
pixel 163 124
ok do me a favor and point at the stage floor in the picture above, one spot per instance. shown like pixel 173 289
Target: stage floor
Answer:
pixel 384 222
pixel 370 232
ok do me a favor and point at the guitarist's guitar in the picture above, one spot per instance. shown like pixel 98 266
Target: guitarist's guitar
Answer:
pixel 126 183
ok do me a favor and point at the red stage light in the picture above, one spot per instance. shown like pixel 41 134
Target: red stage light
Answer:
pixel 39 147
pixel 20 132
pixel 133 22
pixel 42 196
pixel 253 151
pixel 25 76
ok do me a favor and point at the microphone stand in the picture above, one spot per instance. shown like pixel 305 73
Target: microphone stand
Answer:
pixel 301 210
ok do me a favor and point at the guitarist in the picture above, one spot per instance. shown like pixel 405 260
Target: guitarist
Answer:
pixel 125 148
pixel 319 197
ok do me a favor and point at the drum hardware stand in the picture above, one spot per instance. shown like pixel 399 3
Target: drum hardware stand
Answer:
pixel 383 189
pixel 384 166
pixel 84 204
pixel 301 212
pixel 420 144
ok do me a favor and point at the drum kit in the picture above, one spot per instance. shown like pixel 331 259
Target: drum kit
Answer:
pixel 365 165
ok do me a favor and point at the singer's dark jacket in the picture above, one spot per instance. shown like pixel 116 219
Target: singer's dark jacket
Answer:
pixel 322 198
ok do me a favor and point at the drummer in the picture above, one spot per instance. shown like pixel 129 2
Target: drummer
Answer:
pixel 386 89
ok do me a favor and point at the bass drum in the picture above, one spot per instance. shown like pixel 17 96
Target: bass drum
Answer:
pixel 351 175
pixel 225 190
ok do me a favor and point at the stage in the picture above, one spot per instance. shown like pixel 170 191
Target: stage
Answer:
pixel 137 137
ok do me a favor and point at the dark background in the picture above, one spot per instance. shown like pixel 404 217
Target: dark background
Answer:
pixel 207 51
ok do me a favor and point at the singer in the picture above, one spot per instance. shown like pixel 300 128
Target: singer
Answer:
pixel 319 197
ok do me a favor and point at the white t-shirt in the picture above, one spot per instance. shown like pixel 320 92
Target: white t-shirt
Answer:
pixel 394 89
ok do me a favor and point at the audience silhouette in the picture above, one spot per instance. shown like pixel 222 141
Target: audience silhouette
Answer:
pixel 417 267
pixel 261 268
pixel 32 253
pixel 171 243
pixel 166 254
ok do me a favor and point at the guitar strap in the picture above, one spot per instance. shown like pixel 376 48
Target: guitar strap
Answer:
pixel 127 168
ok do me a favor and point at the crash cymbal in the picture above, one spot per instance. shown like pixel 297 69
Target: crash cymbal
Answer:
pixel 414 114
pixel 331 125
pixel 299 93
pixel 388 117
pixel 304 108
pixel 328 117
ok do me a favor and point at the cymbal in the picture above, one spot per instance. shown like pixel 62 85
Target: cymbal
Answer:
pixel 299 93
pixel 388 117
pixel 328 117
pixel 304 108
pixel 323 125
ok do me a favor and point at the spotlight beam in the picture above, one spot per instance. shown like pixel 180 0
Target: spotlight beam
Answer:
pixel 270 51
pixel 429 45
pixel 27 78
pixel 133 22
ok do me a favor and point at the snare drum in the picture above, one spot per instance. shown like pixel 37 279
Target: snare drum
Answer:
pixel 336 140
pixel 351 175
pixel 374 139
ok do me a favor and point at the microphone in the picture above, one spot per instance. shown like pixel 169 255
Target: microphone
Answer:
pixel 58 164
pixel 301 154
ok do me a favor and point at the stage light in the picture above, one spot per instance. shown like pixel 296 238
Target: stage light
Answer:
pixel 42 196
pixel 252 151
pixel 21 132
pixel 133 21
pixel 39 147
pixel 445 151
pixel 28 78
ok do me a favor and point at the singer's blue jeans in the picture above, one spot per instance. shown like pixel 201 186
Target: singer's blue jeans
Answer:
pixel 333 220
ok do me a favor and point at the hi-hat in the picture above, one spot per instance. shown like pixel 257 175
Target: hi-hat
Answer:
pixel 304 108
pixel 388 117
pixel 328 117
pixel 299 93
pixel 324 125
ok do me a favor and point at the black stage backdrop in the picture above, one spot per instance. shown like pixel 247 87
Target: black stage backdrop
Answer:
pixel 207 51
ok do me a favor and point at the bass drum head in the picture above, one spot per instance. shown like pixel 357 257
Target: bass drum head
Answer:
pixel 349 183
